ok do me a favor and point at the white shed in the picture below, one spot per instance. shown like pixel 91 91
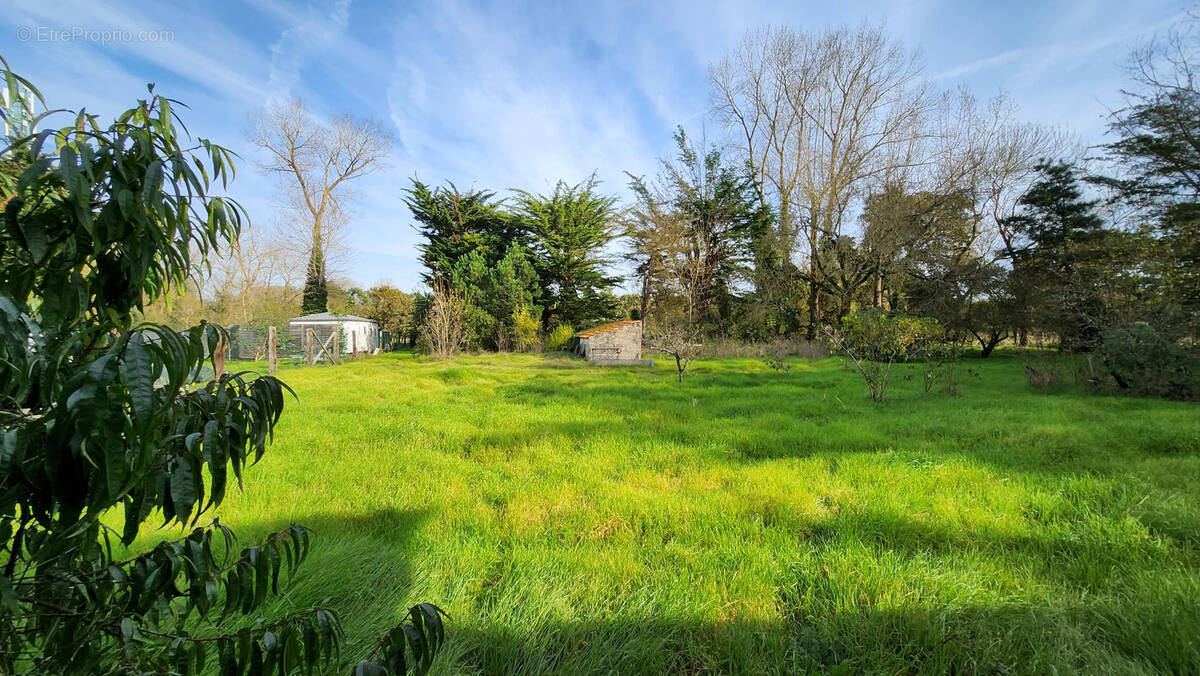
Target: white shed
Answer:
pixel 356 332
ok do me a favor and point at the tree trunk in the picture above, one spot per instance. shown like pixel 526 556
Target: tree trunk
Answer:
pixel 645 296
pixel 988 346
pixel 218 359
pixel 814 308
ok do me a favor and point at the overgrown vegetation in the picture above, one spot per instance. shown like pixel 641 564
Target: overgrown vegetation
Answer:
pixel 580 520
pixel 1141 360
pixel 572 519
pixel 522 272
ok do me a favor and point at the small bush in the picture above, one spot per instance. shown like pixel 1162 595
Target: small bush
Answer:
pixel 873 340
pixel 777 362
pixel 559 338
pixel 1143 362
pixel 1041 372
pixel 941 365
pixel 525 331
pixel 442 330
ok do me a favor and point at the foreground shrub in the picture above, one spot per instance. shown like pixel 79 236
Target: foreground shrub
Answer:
pixel 1144 362
pixel 873 340
pixel 105 425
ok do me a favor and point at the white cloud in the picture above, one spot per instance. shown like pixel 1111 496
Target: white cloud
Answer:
pixel 305 39
pixel 495 96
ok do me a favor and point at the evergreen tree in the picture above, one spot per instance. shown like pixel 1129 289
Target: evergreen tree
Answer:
pixel 496 298
pixel 316 288
pixel 454 224
pixel 699 224
pixel 571 228
pixel 1157 149
pixel 1057 265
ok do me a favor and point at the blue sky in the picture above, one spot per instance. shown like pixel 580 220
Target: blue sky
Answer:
pixel 501 95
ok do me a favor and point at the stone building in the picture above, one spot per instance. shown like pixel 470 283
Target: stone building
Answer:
pixel 615 343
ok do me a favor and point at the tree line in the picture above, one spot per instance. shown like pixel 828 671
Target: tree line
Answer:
pixel 846 182
pixel 843 181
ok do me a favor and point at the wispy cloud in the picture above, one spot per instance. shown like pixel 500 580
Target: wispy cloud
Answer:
pixel 496 96
pixel 515 109
pixel 995 61
pixel 309 37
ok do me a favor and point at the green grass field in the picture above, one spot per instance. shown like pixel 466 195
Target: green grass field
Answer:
pixel 573 519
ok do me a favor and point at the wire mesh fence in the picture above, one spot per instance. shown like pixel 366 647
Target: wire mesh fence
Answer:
pixel 247 343
pixel 316 339
pixel 250 343
pixel 304 341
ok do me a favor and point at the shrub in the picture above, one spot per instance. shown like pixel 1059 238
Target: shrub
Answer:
pixel 1041 372
pixel 775 356
pixel 777 362
pixel 524 331
pixel 873 340
pixel 559 338
pixel 1143 362
pixel 106 424
pixel 443 326
pixel 941 365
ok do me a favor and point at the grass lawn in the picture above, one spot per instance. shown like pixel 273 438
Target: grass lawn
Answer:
pixel 574 519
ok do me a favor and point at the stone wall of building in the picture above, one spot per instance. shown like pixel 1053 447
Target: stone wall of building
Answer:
pixel 620 340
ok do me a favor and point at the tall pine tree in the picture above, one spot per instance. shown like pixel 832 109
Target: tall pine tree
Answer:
pixel 571 228
pixel 1058 267
pixel 316 289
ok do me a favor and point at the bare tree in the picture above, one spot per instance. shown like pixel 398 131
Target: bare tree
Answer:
pixel 443 327
pixel 818 116
pixel 314 161
pixel 679 340
pixel 254 265
pixel 969 159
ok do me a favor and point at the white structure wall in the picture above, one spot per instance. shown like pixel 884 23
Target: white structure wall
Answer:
pixel 356 332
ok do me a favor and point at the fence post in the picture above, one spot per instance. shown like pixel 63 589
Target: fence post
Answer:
pixel 272 351
pixel 218 358
pixel 334 356
pixel 354 344
pixel 312 336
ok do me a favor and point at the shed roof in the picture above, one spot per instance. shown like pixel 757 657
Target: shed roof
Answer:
pixel 330 317
pixel 605 328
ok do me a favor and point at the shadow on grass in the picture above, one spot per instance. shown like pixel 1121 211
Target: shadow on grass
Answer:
pixel 766 416
pixel 1075 555
pixel 916 640
pixel 877 593
pixel 358 564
